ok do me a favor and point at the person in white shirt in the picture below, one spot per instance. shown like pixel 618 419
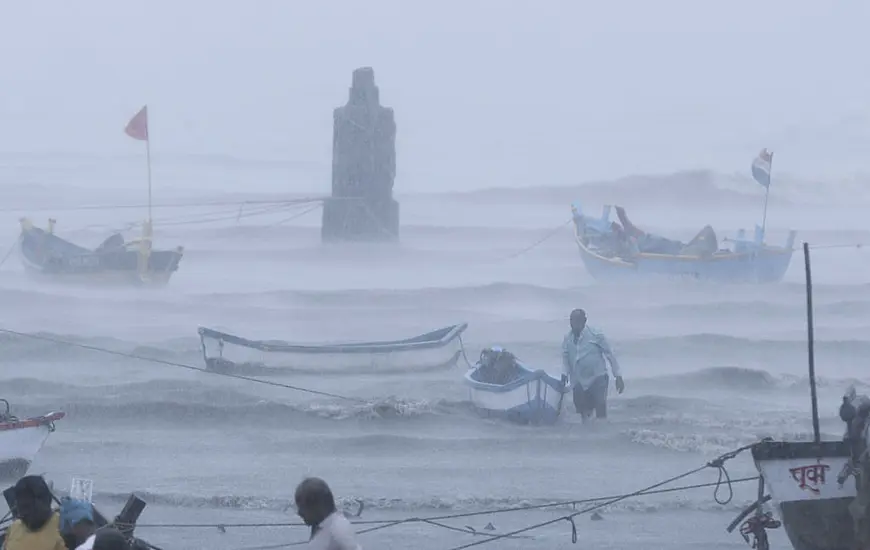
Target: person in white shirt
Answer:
pixel 330 530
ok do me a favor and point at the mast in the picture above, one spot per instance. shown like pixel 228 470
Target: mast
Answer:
pixel 810 345
pixel 766 196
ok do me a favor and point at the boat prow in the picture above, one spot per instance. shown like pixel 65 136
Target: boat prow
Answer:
pixel 46 255
pixel 21 439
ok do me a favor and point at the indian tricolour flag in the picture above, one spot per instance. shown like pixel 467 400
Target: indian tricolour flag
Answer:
pixel 761 167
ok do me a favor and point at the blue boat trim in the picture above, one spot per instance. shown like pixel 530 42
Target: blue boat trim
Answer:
pixel 435 339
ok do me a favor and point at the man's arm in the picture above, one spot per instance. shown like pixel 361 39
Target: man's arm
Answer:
pixel 608 353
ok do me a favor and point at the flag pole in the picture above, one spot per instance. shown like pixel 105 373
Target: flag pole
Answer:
pixel 766 195
pixel 148 161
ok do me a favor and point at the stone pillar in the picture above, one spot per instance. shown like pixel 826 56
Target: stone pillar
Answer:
pixel 362 207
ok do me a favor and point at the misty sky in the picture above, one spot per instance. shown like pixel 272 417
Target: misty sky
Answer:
pixel 486 92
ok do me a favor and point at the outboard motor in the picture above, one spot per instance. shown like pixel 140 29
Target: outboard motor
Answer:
pixel 488 356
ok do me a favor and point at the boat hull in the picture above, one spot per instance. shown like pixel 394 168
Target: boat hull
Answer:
pixel 801 478
pixel 20 442
pixel 767 265
pixel 47 256
pixel 225 352
pixel 534 398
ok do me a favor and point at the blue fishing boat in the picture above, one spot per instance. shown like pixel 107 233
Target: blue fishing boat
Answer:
pixel 502 386
pixel 614 251
pixel 48 256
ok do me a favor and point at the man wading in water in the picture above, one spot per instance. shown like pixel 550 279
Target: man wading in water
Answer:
pixel 584 351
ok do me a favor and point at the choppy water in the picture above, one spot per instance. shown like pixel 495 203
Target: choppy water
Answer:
pixel 708 368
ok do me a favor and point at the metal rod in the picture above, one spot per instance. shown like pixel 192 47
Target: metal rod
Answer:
pixel 817 437
pixel 766 196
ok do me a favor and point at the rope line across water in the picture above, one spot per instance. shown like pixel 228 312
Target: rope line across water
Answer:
pixel 179 365
pixel 457 515
pixel 602 502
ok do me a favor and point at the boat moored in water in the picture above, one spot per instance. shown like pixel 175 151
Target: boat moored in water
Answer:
pixel 45 254
pixel 224 352
pixel 619 251
pixel 502 386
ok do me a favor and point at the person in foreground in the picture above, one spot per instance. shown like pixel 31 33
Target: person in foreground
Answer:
pixel 330 530
pixel 37 526
pixel 77 523
pixel 584 351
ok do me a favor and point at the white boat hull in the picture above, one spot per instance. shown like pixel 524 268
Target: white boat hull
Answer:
pixel 21 441
pixel 222 353
pixel 535 398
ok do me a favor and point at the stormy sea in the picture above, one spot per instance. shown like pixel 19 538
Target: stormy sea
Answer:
pixel 708 368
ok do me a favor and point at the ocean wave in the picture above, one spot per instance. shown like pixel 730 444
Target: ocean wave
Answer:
pixel 177 405
pixel 684 300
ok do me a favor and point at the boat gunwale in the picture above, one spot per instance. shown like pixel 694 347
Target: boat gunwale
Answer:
pixel 787 450
pixel 446 336
pixel 765 251
pixel 528 377
pixel 32 422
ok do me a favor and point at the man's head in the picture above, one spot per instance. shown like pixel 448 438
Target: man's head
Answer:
pixel 314 500
pixel 77 517
pixel 578 321
pixel 33 501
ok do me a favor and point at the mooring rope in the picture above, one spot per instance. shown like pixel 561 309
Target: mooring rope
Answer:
pixel 600 502
pixel 459 515
pixel 718 463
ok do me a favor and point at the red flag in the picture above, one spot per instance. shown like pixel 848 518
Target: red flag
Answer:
pixel 137 128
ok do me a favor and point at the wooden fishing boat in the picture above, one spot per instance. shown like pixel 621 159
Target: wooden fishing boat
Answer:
pixel 501 386
pixel 45 254
pixel 21 439
pixel 611 251
pixel 224 352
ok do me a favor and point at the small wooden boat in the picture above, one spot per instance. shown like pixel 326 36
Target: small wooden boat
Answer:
pixel 225 352
pixel 502 386
pixel 45 254
pixel 613 252
pixel 21 439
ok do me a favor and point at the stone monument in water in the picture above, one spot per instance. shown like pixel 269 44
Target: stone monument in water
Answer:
pixel 362 207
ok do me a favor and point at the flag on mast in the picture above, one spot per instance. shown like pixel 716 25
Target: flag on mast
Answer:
pixel 761 168
pixel 137 128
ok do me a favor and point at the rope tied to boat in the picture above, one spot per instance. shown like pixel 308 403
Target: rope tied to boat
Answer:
pixel 718 463
pixel 79 345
